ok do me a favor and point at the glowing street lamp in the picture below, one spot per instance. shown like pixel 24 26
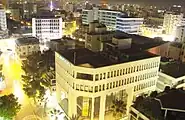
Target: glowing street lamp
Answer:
pixel 51 5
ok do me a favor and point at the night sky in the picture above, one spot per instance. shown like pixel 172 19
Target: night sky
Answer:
pixel 150 2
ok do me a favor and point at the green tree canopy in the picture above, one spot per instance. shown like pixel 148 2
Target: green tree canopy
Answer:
pixel 118 108
pixel 9 107
pixel 36 79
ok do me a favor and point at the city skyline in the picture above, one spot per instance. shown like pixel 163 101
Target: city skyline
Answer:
pixel 149 2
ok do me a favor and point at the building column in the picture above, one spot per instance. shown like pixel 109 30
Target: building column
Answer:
pixel 130 93
pixel 72 105
pixel 92 109
pixel 102 107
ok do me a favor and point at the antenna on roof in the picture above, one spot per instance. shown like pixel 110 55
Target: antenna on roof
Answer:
pixel 74 58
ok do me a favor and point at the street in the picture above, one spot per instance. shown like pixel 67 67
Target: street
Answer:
pixel 12 72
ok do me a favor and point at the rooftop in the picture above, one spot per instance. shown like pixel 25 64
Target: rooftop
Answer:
pixel 27 41
pixel 141 42
pixel 101 59
pixel 101 33
pixel 174 99
pixel 120 36
pixel 45 14
pixel 173 68
pixel 176 44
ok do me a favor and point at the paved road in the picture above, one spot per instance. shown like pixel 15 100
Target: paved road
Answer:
pixel 12 72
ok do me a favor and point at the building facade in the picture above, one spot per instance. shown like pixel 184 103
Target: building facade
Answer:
pixel 87 88
pixel 150 31
pixel 27 46
pixel 96 37
pixel 2 80
pixel 47 28
pixel 108 17
pixel 129 25
pixel 171 74
pixel 89 15
pixel 171 21
pixel 3 22
pixel 113 19
pixel 180 34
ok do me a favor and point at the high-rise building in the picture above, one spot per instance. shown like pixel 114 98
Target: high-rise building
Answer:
pixel 113 19
pixel 180 34
pixel 46 26
pixel 176 8
pixel 26 46
pixel 87 82
pixel 171 21
pixel 129 25
pixel 3 22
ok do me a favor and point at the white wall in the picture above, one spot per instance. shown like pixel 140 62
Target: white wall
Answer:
pixel 3 22
pixel 137 77
pixel 48 28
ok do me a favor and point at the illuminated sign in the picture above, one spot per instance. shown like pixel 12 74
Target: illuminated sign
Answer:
pixel 85 109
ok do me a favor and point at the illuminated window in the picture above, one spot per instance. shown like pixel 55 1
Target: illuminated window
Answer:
pixel 108 75
pixel 116 83
pixel 111 73
pixel 127 80
pixel 90 89
pixel 104 75
pixel 103 86
pixel 136 79
pixel 96 88
pixel 107 86
pixel 119 82
pixel 117 72
pixel 114 73
pixel 121 72
pixel 100 76
pixel 77 87
pixel 110 85
pixel 128 70
pixel 96 77
pixel 81 87
pixel 99 87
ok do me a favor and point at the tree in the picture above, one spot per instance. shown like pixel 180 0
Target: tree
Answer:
pixel 75 117
pixel 167 89
pixel 118 108
pixel 138 100
pixel 36 67
pixel 9 107
pixel 153 94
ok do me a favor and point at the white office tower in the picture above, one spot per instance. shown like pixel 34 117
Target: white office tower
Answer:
pixel 113 19
pixel 129 25
pixel 46 26
pixel 89 15
pixel 3 22
pixel 171 21
pixel 87 83
pixel 180 34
